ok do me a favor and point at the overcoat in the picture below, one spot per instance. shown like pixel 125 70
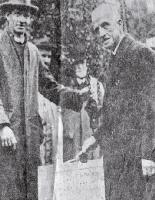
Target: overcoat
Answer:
pixel 128 128
pixel 49 116
pixel 19 110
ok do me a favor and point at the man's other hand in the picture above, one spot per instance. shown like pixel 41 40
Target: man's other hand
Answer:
pixel 86 145
pixel 148 167
pixel 7 137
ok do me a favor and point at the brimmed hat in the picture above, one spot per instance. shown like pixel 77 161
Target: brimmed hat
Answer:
pixel 78 60
pixel 44 43
pixel 20 4
pixel 78 54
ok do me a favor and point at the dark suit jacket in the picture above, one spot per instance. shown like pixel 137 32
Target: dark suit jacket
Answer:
pixel 129 103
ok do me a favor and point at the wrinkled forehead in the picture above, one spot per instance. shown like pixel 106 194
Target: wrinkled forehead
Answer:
pixel 105 13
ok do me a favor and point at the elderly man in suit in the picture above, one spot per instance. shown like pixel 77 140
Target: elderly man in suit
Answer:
pixel 127 134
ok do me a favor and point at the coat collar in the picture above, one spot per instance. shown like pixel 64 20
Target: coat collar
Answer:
pixel 115 50
pixel 124 47
pixel 115 65
pixel 126 42
pixel 10 34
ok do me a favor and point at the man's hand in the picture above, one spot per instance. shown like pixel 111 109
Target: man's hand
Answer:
pixel 84 90
pixel 86 145
pixel 69 89
pixel 148 167
pixel 7 137
pixel 60 87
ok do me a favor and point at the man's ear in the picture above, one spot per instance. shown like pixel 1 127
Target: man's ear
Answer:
pixel 120 22
pixel 7 15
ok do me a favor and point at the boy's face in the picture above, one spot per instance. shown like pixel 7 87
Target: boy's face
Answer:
pixel 81 69
pixel 45 56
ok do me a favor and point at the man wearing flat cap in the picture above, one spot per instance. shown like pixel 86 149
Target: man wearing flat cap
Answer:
pixel 47 110
pixel 20 125
pixel 45 47
pixel 127 134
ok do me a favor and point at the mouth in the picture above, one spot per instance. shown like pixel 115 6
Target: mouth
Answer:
pixel 21 26
pixel 20 29
pixel 105 39
pixel 47 63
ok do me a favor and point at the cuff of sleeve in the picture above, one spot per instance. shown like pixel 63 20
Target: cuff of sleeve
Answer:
pixel 4 124
pixel 150 155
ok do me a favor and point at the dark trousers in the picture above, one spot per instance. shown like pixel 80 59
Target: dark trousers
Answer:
pixel 123 177
pixel 150 188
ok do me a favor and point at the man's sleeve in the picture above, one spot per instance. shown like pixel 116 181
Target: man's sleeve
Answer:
pixel 4 119
pixel 71 100
pixel 147 63
pixel 56 92
pixel 48 86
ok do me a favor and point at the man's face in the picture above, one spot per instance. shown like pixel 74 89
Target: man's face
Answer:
pixel 19 20
pixel 81 69
pixel 45 56
pixel 108 27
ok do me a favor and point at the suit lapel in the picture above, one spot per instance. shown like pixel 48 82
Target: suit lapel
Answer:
pixel 117 62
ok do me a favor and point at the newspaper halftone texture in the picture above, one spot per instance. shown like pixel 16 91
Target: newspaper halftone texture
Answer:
pixel 62 90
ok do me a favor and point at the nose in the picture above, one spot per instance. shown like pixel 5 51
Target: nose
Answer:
pixel 80 67
pixel 47 59
pixel 23 19
pixel 102 31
